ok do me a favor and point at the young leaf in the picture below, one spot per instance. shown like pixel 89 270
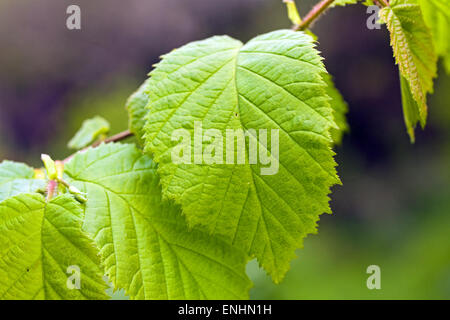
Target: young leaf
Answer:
pixel 340 108
pixel 39 244
pixel 413 48
pixel 17 178
pixel 410 108
pixel 437 16
pixel 146 245
pixel 136 111
pixel 342 2
pixel 50 167
pixel 90 131
pixel 292 11
pixel 272 82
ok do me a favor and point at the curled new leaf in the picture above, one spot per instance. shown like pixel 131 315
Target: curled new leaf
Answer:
pixel 410 108
pixel 343 2
pixel 414 52
pixel 437 16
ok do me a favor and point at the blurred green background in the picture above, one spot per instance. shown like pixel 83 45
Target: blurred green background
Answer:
pixel 393 209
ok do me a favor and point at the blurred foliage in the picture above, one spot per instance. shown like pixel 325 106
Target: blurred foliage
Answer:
pixel 333 265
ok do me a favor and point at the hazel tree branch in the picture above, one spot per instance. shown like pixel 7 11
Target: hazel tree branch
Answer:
pixel 115 138
pixel 315 12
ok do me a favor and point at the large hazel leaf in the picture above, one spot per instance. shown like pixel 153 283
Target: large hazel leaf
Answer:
pixel 272 82
pixel 146 245
pixel 39 244
pixel 413 48
pixel 17 178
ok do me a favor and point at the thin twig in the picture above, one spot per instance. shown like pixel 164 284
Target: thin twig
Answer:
pixel 52 188
pixel 315 12
pixel 116 138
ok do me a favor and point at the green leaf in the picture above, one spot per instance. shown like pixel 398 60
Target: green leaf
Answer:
pixel 347 2
pixel 272 82
pixel 413 48
pixel 136 111
pixel 146 245
pixel 437 16
pixel 343 3
pixel 292 12
pixel 39 241
pixel 90 131
pixel 410 108
pixel 50 167
pixel 17 178
pixel 340 108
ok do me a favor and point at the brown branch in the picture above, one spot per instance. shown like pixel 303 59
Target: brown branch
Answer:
pixel 116 138
pixel 315 12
